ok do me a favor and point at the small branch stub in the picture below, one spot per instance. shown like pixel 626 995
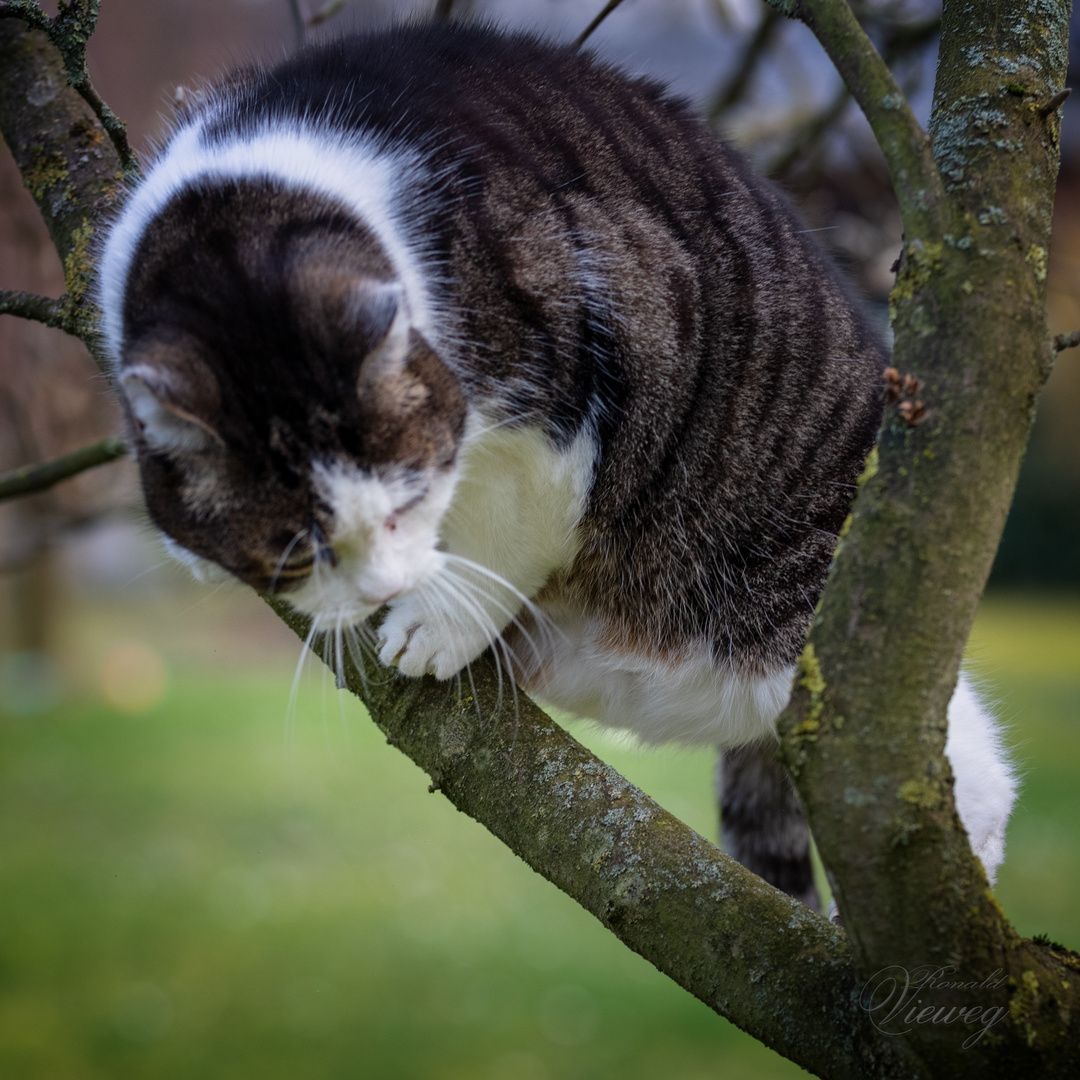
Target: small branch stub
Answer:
pixel 1055 102
pixel 1066 341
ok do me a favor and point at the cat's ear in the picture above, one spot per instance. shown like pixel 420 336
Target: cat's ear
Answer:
pixel 173 406
pixel 332 300
pixel 375 310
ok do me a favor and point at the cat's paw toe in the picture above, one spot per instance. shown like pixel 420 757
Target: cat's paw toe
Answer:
pixel 434 644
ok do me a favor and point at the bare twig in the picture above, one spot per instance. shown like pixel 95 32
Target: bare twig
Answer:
pixel 585 34
pixel 914 172
pixel 33 478
pixel 898 41
pixel 299 21
pixel 442 9
pixel 62 314
pixel 809 135
pixel 735 89
pixel 327 11
pixel 1066 341
pixel 1055 102
pixel 42 309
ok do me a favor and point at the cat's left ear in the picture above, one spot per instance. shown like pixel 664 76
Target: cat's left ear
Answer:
pixel 172 398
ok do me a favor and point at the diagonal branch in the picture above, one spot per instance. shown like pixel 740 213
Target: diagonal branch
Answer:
pixel 69 31
pixel 31 479
pixel 906 147
pixel 736 87
pixel 585 34
pixel 670 895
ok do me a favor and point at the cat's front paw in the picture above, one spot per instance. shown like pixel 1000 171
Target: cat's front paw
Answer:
pixel 423 639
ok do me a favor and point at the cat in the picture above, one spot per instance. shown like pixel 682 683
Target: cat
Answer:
pixel 476 328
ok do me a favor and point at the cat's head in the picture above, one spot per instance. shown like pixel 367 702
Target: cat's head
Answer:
pixel 290 423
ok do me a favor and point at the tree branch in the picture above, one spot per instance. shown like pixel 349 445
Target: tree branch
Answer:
pixel 585 34
pixel 905 145
pixel 1066 341
pixel 887 642
pixel 62 314
pixel 736 87
pixel 69 31
pixel 42 309
pixel 868 717
pixel 898 41
pixel 31 479
pixel 70 168
pixel 667 893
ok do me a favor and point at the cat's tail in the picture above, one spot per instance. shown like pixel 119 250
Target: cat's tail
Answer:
pixel 761 822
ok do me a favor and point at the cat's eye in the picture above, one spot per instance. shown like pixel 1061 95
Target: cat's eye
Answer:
pixel 391 522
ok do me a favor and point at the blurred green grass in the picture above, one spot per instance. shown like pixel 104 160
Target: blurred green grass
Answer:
pixel 207 889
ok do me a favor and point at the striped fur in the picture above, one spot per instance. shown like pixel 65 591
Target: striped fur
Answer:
pixel 479 328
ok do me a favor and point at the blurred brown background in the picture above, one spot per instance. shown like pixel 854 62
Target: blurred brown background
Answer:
pixel 788 113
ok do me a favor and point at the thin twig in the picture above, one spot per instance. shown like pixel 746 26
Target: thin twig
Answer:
pixel 912 168
pixel 585 34
pixel 299 21
pixel 1066 341
pixel 327 11
pixel 442 10
pixel 42 309
pixel 754 51
pixel 811 133
pixel 79 321
pixel 33 478
pixel 898 41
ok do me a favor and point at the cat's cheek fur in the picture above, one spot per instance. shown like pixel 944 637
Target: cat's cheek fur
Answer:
pixel 201 569
pixel 512 524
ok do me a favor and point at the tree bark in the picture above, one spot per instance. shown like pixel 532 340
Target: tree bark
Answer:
pixel 868 713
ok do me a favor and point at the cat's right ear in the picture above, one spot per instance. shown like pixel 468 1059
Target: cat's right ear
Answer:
pixel 173 409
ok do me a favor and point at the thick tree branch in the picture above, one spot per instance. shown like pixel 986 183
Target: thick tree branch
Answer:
pixel 67 164
pixel 693 912
pixel 69 31
pixel 868 716
pixel 31 479
pixel 905 145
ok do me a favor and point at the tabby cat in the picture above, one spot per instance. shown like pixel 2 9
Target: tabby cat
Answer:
pixel 475 327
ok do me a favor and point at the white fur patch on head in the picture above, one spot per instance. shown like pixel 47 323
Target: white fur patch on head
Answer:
pixel 384 535
pixel 353 170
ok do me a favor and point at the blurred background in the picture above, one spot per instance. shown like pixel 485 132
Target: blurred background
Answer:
pixel 210 869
